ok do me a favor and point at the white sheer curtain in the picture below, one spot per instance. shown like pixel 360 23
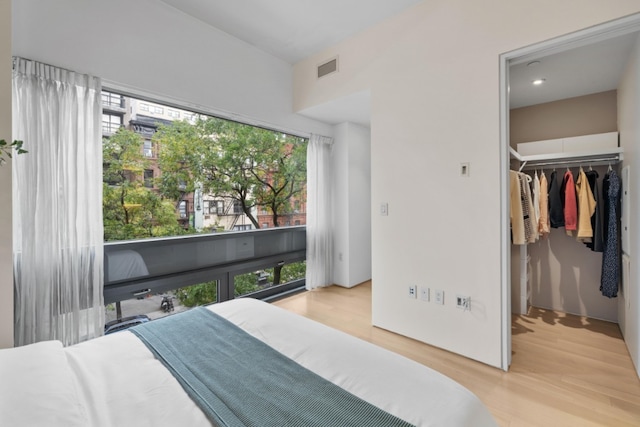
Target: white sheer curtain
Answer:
pixel 319 213
pixel 57 205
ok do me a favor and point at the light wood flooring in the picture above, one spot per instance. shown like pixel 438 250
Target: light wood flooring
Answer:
pixel 566 370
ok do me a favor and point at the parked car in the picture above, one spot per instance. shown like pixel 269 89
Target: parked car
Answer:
pixel 125 323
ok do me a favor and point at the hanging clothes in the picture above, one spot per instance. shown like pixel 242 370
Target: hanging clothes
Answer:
pixel 570 205
pixel 525 200
pixel 524 224
pixel 533 219
pixel 535 196
pixel 556 211
pixel 543 220
pixel 515 201
pixel 596 243
pixel 611 257
pixel 586 208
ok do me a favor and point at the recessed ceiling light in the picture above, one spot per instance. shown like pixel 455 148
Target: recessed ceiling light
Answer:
pixel 538 82
pixel 533 63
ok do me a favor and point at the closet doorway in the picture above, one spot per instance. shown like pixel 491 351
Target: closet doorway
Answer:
pixel 564 276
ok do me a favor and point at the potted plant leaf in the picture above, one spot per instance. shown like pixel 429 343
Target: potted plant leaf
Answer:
pixel 6 148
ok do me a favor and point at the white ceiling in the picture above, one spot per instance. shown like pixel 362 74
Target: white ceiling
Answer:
pixel 291 29
pixel 596 67
pixel 295 29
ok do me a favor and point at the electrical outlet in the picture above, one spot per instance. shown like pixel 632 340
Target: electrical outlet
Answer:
pixel 424 293
pixel 412 291
pixel 463 302
pixel 438 296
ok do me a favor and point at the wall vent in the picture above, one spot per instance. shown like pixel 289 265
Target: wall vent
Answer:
pixel 328 67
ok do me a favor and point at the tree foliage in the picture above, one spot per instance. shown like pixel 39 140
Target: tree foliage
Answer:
pixel 200 294
pixel 130 210
pixel 253 166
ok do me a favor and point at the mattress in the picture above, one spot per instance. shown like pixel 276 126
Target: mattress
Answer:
pixel 116 381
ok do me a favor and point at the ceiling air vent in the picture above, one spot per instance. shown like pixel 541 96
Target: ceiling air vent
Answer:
pixel 328 67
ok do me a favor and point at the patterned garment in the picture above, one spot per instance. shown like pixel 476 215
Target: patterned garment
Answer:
pixel 528 231
pixel 611 256
pixel 515 204
pixel 596 244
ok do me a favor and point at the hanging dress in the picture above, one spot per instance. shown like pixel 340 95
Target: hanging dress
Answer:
pixel 517 218
pixel 596 243
pixel 611 257
pixel 556 211
pixel 525 199
pixel 570 205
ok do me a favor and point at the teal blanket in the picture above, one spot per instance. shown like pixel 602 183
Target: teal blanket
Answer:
pixel 237 380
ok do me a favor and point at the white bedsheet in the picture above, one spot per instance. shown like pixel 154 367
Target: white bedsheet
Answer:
pixel 116 381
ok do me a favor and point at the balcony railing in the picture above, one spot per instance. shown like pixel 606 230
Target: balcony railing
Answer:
pixel 149 266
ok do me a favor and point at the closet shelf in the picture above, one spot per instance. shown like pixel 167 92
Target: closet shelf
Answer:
pixel 605 156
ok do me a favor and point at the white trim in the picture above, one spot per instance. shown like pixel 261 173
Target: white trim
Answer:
pixel 169 101
pixel 583 37
pixel 505 235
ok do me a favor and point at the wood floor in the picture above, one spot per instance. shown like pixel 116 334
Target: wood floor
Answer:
pixel 565 371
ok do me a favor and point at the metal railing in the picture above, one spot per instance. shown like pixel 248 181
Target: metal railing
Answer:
pixel 138 267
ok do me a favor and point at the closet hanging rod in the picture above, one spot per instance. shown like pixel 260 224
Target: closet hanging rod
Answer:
pixel 602 161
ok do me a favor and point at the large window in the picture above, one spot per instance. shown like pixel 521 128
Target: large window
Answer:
pixel 186 174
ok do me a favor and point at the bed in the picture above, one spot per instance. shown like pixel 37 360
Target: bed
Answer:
pixel 116 380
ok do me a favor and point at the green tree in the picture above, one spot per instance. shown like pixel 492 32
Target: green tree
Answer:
pixel 206 293
pixel 200 294
pixel 253 166
pixel 131 210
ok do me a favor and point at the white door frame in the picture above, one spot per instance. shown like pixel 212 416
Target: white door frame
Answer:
pixel 584 37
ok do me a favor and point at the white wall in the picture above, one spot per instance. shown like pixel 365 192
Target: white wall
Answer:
pixel 351 158
pixel 566 275
pixel 6 269
pixel 434 80
pixel 628 113
pixel 151 47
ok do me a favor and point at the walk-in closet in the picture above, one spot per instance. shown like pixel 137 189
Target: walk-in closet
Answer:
pixel 573 115
pixel 568 260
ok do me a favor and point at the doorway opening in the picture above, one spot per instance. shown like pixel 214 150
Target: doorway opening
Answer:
pixel 518 71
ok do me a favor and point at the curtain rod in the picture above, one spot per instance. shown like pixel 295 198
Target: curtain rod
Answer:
pixel 15 60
